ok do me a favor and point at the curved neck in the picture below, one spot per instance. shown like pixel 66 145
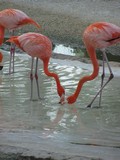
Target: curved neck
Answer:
pixel 2 30
pixel 92 54
pixel 51 74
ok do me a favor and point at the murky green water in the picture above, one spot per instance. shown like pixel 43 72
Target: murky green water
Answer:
pixel 71 123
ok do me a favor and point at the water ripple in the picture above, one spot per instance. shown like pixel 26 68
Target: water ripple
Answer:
pixel 75 121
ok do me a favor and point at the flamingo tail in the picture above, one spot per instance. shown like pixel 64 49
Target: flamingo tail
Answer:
pixel 29 21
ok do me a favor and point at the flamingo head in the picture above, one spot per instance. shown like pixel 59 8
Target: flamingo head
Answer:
pixel 71 99
pixel 61 93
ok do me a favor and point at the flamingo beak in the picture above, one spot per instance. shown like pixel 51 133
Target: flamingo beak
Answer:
pixel 62 99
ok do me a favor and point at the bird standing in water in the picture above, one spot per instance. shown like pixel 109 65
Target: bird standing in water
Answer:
pixel 98 35
pixel 40 46
pixel 12 19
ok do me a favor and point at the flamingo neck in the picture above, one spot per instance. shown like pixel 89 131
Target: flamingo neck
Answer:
pixel 1 57
pixel 92 54
pixel 2 30
pixel 54 75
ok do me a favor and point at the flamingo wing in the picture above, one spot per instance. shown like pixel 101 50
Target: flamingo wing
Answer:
pixel 13 18
pixel 102 34
pixel 34 44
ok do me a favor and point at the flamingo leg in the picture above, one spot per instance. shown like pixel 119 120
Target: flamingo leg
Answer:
pixel 36 77
pixel 31 78
pixel 102 79
pixel 12 55
pixel 109 79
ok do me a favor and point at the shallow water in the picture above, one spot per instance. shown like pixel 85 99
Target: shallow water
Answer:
pixel 69 123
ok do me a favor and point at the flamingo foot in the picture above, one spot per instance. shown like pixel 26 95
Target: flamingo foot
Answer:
pixel 89 106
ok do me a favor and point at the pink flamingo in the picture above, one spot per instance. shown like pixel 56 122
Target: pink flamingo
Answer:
pixel 38 45
pixel 1 58
pixel 12 19
pixel 98 35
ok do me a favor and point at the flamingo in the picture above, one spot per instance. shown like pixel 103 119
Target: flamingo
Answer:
pixel 1 58
pixel 98 35
pixel 12 19
pixel 39 46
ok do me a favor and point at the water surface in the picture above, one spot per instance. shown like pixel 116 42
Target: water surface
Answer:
pixel 69 123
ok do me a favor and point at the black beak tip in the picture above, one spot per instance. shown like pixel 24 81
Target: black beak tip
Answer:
pixel 1 67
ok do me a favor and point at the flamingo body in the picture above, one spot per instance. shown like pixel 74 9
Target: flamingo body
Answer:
pixel 98 35
pixel 101 35
pixel 40 46
pixel 36 45
pixel 14 18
